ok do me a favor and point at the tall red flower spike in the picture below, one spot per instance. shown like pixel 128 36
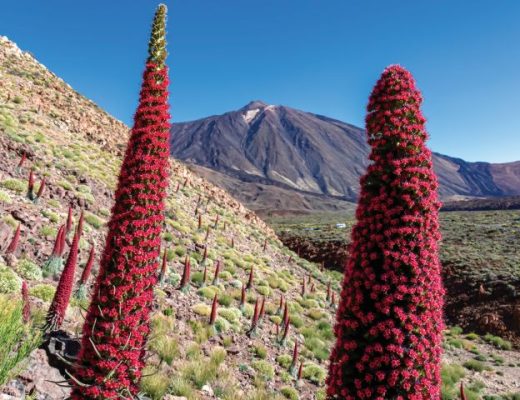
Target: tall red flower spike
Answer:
pixel 303 287
pixel 280 306
pixel 81 292
pixel 251 278
pixel 283 340
pixel 254 320
pixel 22 160
pixel 185 281
pixel 117 324
pixel 462 394
pixel 30 185
pixel 80 223
pixel 389 321
pixel 261 313
pixel 69 220
pixel 204 276
pixel 26 311
pixel 13 245
pixel 243 297
pixel 294 362
pixel 61 299
pixel 328 291
pixel 55 262
pixel 214 306
pixel 217 272
pixel 300 371
pixel 40 190
pixel 265 245
pixel 164 267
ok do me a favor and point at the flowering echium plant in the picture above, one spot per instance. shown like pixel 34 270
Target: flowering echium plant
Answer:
pixel 117 324
pixel 389 320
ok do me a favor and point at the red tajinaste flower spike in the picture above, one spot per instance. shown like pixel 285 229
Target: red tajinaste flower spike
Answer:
pixel 328 291
pixel 30 185
pixel 303 287
pixel 277 329
pixel 117 325
pixel 205 254
pixel 26 311
pixel 294 361
pixel 232 242
pixel 164 268
pixel 186 274
pixel 200 222
pixel 251 278
pixel 300 371
pixel 177 187
pixel 283 341
pixel 333 299
pixel 313 288
pixel 462 394
pixel 285 317
pixel 80 223
pixel 204 276
pixel 289 259
pixel 243 297
pixel 389 320
pixel 185 183
pixel 309 279
pixel 82 291
pixel 207 235
pixel 280 305
pixel 55 262
pixel 265 245
pixel 40 190
pixel 217 219
pixel 254 320
pixel 88 267
pixel 225 226
pixel 214 306
pixel 61 299
pixel 217 272
pixel 69 221
pixel 13 245
pixel 322 266
pixel 22 160
pixel 262 309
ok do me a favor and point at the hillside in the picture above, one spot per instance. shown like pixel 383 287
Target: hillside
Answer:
pixel 187 359
pixel 263 153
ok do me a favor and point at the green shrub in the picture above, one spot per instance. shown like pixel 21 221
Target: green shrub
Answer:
pixel 201 309
pixel 498 342
pixel 475 365
pixel 43 291
pixel 166 347
pixel 289 393
pixel 230 314
pixel 9 281
pixel 260 351
pixel 5 197
pixel 16 185
pixel 51 215
pixel 28 270
pixel 155 384
pixel 17 339
pixel 264 370
pixel 284 360
pixel 314 373
pixel 93 220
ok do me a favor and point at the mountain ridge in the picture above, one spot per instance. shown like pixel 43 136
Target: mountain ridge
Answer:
pixel 309 153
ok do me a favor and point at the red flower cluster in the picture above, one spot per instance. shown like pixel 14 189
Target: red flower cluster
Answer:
pixel 26 310
pixel 389 320
pixel 13 245
pixel 61 299
pixel 117 325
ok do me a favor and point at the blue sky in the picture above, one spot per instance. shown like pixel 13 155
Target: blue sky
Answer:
pixel 322 56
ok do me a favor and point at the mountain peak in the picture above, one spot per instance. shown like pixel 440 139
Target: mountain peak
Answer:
pixel 255 104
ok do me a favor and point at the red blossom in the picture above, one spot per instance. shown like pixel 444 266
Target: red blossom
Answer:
pixel 214 306
pixel 217 272
pixel 88 267
pixel 186 274
pixel 117 325
pixel 251 277
pixel 26 311
pixel 69 221
pixel 389 320
pixel 61 299
pixel 13 245
pixel 40 189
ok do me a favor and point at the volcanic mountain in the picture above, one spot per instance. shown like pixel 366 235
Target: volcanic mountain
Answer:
pixel 279 158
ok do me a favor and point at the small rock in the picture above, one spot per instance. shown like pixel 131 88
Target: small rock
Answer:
pixel 208 390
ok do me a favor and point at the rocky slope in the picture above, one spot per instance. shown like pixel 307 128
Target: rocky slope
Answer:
pixel 265 153
pixel 187 358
